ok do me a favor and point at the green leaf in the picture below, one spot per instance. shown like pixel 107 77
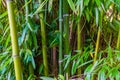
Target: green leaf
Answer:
pixel 50 4
pixel 81 7
pixel 87 14
pixel 98 2
pixel 86 2
pixel 74 67
pixel 23 35
pixel 85 63
pixel 3 14
pixel 97 16
pixel 40 7
pixel 72 6
pixel 33 62
pixel 68 61
pixel 101 74
pixel 46 78
pixel 61 77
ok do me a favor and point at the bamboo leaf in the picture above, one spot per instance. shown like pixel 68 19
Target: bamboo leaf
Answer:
pixel 81 7
pixel 3 14
pixel 33 62
pixel 46 78
pixel 68 61
pixel 98 2
pixel 40 7
pixel 74 67
pixel 50 5
pixel 86 2
pixel 72 6
pixel 61 77
pixel 97 15
pixel 101 74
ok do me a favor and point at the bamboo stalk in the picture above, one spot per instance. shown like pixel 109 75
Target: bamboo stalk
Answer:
pixel 97 45
pixel 44 47
pixel 118 41
pixel 66 31
pixel 54 62
pixel 60 37
pixel 79 37
pixel 14 40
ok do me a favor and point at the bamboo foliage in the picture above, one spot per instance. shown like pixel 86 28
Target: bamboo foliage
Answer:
pixel 31 71
pixel 70 38
pixel 15 48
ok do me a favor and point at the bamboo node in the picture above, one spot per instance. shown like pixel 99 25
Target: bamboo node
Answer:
pixel 60 61
pixel 9 0
pixel 60 19
pixel 65 15
pixel 15 56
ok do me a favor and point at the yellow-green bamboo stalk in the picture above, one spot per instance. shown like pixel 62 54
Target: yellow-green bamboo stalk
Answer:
pixel 79 43
pixel 44 47
pixel 118 41
pixel 97 45
pixel 15 48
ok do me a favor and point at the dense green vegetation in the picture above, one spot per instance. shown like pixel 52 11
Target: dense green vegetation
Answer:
pixel 59 39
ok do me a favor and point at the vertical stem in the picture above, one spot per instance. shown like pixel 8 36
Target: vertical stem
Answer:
pixel 44 47
pixel 118 41
pixel 79 43
pixel 15 48
pixel 54 62
pixel 97 45
pixel 66 31
pixel 60 38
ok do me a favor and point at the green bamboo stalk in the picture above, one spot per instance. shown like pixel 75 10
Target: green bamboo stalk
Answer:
pixel 97 45
pixel 118 41
pixel 60 38
pixel 14 40
pixel 44 47
pixel 96 50
pixel 66 31
pixel 79 37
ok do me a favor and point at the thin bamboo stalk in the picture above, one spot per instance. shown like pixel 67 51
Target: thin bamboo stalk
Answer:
pixel 54 62
pixel 44 47
pixel 14 40
pixel 118 41
pixel 97 45
pixel 60 38
pixel 79 37
pixel 66 31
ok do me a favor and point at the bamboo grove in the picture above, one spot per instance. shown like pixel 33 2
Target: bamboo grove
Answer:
pixel 59 40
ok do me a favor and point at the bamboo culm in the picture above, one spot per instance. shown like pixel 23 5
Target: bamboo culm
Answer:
pixel 66 32
pixel 14 40
pixel 60 37
pixel 44 47
pixel 79 43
